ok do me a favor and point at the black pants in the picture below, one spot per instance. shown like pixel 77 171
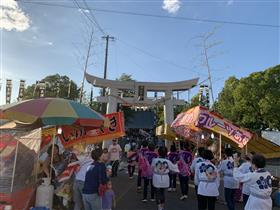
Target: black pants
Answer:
pixel 160 195
pixel 131 170
pixel 184 184
pixel 206 202
pixel 229 197
pixel 172 180
pixel 115 166
pixel 139 179
pixel 146 185
pixel 245 199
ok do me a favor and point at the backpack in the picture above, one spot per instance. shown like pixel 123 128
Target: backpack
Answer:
pixel 144 166
pixel 183 167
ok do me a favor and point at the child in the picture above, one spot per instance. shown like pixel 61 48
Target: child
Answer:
pixel 131 160
pixel 108 199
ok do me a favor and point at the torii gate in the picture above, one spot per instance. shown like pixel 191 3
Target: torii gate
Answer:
pixel 140 90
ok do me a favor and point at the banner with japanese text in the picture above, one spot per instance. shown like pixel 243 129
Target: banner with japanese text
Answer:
pixel 190 123
pixel 74 135
pixel 226 128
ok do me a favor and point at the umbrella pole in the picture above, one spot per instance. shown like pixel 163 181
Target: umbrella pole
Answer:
pixel 220 146
pixel 51 165
pixel 246 149
pixel 14 168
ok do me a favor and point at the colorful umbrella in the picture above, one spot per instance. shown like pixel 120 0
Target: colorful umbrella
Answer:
pixel 51 111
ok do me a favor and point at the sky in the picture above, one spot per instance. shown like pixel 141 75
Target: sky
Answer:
pixel 40 39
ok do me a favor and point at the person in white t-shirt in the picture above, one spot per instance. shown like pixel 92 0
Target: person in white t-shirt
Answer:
pixel 161 168
pixel 114 153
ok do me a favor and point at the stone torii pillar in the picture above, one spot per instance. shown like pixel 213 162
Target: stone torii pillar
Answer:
pixel 168 112
pixel 112 106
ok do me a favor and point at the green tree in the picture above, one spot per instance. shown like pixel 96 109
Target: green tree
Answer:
pixel 126 78
pixel 254 101
pixel 56 86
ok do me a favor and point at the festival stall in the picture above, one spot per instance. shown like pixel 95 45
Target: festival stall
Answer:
pixel 165 132
pixel 23 139
pixel 200 126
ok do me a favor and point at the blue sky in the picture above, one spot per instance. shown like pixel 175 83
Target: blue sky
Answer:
pixel 53 40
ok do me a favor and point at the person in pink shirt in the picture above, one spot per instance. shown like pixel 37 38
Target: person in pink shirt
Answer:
pixel 184 163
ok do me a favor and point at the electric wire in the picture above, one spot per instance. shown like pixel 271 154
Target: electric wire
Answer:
pixel 157 16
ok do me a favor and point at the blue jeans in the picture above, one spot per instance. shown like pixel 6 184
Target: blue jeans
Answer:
pixel 92 202
pixel 229 197
pixel 78 195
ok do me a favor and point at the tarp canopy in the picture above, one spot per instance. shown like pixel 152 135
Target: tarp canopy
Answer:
pixel 190 123
pixel 165 132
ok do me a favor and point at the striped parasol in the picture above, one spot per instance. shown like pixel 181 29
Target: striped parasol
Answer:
pixel 51 111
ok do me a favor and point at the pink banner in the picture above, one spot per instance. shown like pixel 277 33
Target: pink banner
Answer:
pixel 187 123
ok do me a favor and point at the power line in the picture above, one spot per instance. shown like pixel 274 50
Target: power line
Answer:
pixel 94 19
pixel 156 57
pixel 158 16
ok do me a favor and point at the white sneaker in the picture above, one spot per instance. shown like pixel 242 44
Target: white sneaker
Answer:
pixel 173 189
pixel 144 200
pixel 182 197
pixel 169 190
pixel 186 196
pixel 153 200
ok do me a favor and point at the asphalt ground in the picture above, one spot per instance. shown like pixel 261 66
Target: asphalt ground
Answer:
pixel 128 198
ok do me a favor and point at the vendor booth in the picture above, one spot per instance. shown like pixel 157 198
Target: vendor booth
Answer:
pixel 200 126
pixel 34 126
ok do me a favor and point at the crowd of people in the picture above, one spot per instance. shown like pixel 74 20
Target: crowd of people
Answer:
pixel 158 170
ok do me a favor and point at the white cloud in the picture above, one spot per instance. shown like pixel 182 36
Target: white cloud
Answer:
pixel 171 6
pixel 12 17
pixel 50 43
pixel 230 2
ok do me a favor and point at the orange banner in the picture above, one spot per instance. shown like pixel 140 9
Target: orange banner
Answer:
pixel 73 135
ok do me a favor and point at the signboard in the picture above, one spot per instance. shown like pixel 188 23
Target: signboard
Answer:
pixel 226 128
pixel 197 118
pixel 73 135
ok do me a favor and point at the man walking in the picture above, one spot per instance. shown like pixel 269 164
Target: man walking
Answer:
pixel 114 153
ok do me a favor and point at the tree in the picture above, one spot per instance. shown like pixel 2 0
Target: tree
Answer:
pixel 126 77
pixel 56 86
pixel 254 101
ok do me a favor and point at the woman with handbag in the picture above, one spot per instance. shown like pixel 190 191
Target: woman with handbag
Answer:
pixel 95 182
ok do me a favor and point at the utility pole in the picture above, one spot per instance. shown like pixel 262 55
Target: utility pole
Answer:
pixel 107 38
pixel 208 69
pixel 86 65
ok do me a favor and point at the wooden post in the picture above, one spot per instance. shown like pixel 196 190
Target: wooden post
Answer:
pixel 51 165
pixel 220 146
pixel 14 168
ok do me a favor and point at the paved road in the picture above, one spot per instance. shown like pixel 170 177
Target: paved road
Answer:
pixel 129 199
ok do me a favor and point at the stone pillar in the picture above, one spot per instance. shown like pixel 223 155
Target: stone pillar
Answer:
pixel 112 106
pixel 168 112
